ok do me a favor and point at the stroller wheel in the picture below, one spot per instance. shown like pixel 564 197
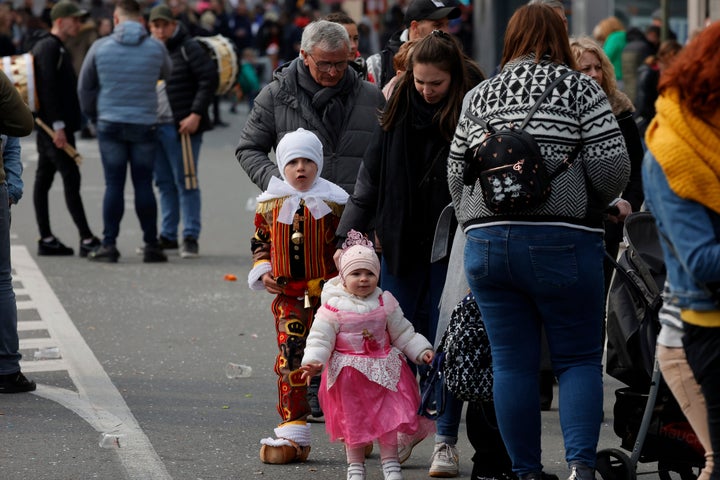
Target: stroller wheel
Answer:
pixel 613 464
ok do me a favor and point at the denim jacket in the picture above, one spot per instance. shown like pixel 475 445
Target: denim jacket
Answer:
pixel 694 231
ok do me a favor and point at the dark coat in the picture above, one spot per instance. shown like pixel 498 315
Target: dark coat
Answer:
pixel 55 83
pixel 282 107
pixel 402 185
pixel 194 78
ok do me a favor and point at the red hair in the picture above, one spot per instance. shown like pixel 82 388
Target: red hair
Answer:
pixel 695 73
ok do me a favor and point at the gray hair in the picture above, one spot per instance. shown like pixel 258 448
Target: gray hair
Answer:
pixel 329 35
pixel 549 3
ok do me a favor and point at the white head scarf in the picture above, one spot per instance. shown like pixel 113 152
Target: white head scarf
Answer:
pixel 302 144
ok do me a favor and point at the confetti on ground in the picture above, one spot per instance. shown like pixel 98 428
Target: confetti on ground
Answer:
pixel 230 277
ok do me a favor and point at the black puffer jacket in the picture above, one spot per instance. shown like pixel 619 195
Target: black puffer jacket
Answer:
pixel 194 78
pixel 55 82
pixel 282 107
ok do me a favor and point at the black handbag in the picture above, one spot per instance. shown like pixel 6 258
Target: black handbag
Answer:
pixel 467 359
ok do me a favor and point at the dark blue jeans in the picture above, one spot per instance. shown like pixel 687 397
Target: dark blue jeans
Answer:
pixel 9 342
pixel 525 277
pixel 122 144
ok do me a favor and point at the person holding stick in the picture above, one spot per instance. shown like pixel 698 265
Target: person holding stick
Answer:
pixel 182 118
pixel 58 117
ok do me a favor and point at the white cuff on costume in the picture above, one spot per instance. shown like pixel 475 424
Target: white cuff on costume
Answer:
pixel 255 275
pixel 298 433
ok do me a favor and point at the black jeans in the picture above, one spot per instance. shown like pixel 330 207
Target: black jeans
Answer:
pixel 51 160
pixel 491 457
pixel 702 348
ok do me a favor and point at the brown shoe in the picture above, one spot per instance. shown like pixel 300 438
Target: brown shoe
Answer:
pixel 284 453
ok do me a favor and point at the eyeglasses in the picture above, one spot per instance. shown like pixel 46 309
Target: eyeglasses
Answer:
pixel 325 67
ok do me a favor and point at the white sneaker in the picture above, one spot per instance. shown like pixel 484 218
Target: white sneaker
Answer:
pixel 356 471
pixel 392 470
pixel 444 461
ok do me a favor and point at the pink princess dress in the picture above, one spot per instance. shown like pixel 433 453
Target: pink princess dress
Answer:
pixel 367 387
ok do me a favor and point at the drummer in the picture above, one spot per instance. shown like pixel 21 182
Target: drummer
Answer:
pixel 56 84
pixel 183 110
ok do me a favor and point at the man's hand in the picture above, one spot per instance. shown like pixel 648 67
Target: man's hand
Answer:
pixel 270 284
pixel 624 209
pixel 189 124
pixel 59 139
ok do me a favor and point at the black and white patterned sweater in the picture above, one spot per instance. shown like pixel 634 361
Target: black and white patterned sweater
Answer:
pixel 577 110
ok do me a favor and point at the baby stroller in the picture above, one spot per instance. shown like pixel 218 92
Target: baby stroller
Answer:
pixel 648 420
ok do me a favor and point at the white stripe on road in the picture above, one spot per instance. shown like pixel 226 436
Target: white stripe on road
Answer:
pixel 97 400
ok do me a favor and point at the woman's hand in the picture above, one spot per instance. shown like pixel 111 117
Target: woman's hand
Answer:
pixel 310 370
pixel 623 210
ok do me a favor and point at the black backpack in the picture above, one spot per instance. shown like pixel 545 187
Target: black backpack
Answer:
pixel 509 166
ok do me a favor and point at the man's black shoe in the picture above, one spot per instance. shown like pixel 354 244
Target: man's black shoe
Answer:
pixel 154 254
pixel 105 254
pixel 53 248
pixel 167 244
pixel 16 383
pixel 86 248
pixel 190 248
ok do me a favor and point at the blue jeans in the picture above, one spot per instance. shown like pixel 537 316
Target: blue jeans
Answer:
pixel 170 180
pixel 525 277
pixel 120 144
pixel 418 293
pixel 9 342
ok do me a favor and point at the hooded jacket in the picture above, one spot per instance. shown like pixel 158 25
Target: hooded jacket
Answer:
pixel 282 107
pixel 118 76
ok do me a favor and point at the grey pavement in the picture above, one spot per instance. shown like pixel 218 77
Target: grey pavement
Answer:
pixel 143 349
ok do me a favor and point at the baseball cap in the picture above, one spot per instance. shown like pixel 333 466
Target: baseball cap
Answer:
pixel 431 10
pixel 66 9
pixel 161 12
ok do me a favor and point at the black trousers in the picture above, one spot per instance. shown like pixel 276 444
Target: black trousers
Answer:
pixel 491 457
pixel 50 161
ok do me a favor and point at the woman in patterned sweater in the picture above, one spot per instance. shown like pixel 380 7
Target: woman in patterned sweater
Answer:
pixel 543 266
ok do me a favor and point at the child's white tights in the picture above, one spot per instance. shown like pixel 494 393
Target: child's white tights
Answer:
pixel 388 450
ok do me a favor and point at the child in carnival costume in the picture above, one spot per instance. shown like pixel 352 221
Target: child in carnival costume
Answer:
pixel 360 340
pixel 293 251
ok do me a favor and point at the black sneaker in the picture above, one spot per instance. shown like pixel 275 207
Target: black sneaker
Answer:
pixel 86 248
pixel 53 248
pixel 105 254
pixel 154 254
pixel 16 383
pixel 190 248
pixel 167 244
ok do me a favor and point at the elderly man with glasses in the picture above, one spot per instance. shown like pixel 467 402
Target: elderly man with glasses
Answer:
pixel 317 92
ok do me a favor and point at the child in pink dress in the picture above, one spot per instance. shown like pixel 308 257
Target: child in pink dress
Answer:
pixel 361 338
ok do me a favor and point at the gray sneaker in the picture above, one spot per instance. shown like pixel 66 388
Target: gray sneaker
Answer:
pixel 445 461
pixel 581 472
pixel 190 248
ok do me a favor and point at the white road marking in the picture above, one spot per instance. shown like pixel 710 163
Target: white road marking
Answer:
pixel 97 400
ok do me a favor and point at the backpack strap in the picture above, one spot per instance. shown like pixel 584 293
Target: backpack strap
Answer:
pixel 544 95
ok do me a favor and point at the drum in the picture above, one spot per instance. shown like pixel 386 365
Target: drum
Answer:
pixel 222 50
pixel 21 73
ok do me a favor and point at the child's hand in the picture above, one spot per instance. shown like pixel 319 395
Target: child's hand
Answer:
pixel 310 370
pixel 270 284
pixel 427 357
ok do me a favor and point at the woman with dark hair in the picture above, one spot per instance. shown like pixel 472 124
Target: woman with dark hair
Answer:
pixel 681 177
pixel 402 187
pixel 541 267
